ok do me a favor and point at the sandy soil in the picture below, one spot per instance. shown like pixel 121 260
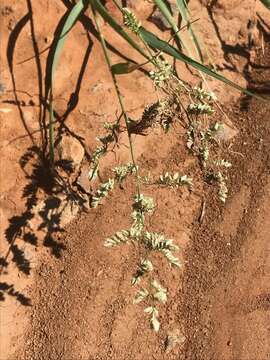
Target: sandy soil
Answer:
pixel 63 295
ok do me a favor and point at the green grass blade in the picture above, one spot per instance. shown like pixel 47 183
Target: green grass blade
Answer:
pixel 184 12
pixel 124 68
pixel 185 44
pixel 153 41
pixel 156 43
pixel 266 3
pixel 167 14
pixel 70 21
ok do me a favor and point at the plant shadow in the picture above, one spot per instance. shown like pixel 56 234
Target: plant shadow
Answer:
pixel 49 198
pixel 50 195
pixel 244 51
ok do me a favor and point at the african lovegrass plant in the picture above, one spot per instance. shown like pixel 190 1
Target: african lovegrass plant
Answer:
pixel 149 40
pixel 194 105
pixel 162 74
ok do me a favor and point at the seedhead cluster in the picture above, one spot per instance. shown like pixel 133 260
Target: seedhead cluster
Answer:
pixel 102 192
pixel 202 141
pixel 112 131
pixel 131 21
pixel 151 241
pixel 175 180
pixel 162 73
pixel 122 172
pixel 191 107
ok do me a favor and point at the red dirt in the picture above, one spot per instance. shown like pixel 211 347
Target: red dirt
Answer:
pixel 79 301
pixel 226 289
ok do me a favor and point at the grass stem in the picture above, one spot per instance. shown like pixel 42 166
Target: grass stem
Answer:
pixel 121 103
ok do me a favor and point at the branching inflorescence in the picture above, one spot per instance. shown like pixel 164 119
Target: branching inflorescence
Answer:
pixel 194 104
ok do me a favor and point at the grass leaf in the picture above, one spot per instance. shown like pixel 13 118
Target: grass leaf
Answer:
pixel 70 21
pixel 124 68
pixel 153 41
pixel 183 9
pixel 266 3
pixel 167 14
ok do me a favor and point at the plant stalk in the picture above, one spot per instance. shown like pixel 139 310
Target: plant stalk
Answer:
pixel 51 131
pixel 108 61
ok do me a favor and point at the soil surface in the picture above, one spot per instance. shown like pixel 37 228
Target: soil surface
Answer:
pixel 66 296
pixel 226 287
